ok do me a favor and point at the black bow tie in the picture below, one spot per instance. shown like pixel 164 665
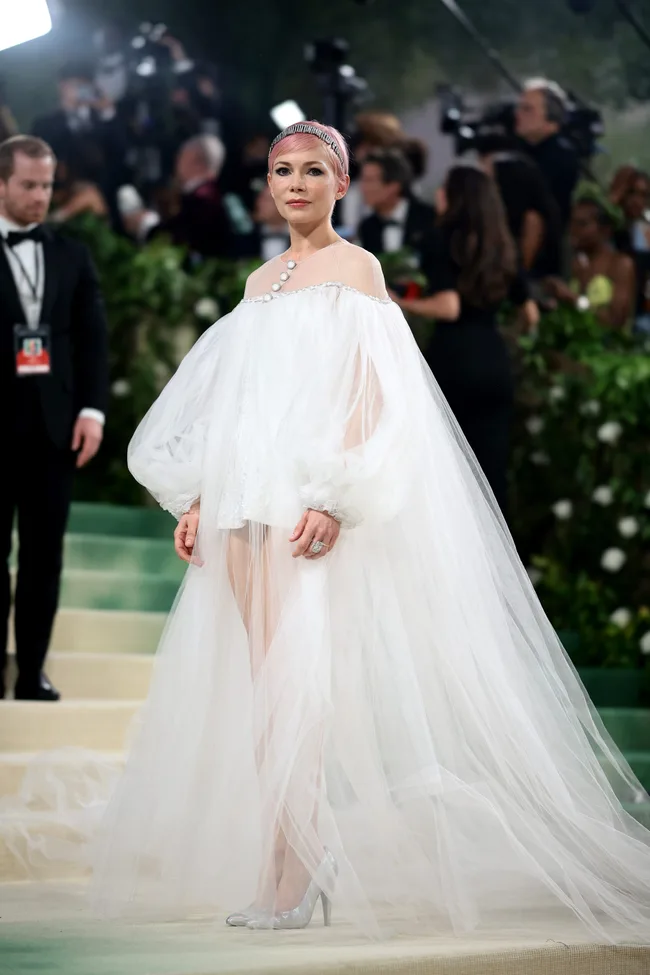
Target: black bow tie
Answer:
pixel 15 237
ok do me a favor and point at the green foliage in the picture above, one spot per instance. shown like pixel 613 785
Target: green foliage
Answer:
pixel 582 436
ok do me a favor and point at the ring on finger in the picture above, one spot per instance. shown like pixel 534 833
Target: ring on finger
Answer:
pixel 318 547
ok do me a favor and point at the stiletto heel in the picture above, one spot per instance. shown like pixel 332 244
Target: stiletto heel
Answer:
pixel 301 915
pixel 327 909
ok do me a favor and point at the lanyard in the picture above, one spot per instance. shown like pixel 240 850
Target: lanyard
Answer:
pixel 34 286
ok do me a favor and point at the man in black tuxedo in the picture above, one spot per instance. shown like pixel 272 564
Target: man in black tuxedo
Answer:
pixel 53 397
pixel 399 218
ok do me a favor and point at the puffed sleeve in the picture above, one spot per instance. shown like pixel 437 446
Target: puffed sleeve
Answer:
pixel 167 450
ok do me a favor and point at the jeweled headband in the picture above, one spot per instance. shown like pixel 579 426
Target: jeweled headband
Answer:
pixel 307 129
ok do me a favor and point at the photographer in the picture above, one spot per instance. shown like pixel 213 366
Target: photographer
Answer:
pixel 85 132
pixel 539 118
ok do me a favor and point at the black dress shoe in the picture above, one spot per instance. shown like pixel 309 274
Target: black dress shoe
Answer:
pixel 41 691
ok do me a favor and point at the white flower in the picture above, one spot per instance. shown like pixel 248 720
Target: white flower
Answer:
pixel 613 559
pixel 534 574
pixel 590 407
pixel 628 527
pixel 534 425
pixel 121 388
pixel 562 509
pixel 540 458
pixel 207 308
pixel 644 642
pixel 603 495
pixel 646 500
pixel 610 432
pixel 556 394
pixel 621 617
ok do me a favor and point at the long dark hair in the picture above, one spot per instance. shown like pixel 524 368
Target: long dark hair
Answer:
pixel 479 239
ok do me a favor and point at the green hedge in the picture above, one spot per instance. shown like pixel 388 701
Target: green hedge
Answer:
pixel 580 482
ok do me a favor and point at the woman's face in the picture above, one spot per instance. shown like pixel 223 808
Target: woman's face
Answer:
pixel 586 231
pixel 637 200
pixel 305 186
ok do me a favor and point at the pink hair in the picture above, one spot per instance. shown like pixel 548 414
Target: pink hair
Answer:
pixel 302 140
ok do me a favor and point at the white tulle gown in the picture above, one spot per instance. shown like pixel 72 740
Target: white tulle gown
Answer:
pixel 404 701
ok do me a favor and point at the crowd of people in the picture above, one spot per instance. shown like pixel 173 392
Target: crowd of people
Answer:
pixel 186 169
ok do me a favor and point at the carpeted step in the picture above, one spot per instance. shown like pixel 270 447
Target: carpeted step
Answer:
pixel 60 766
pixel 20 860
pixel 105 631
pixel 108 519
pixel 629 727
pixel 106 553
pixel 83 589
pixel 34 726
pixel 97 676
pixel 96 589
pixel 640 811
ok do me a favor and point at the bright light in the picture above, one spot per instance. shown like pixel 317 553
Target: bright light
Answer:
pixel 146 68
pixel 286 113
pixel 23 21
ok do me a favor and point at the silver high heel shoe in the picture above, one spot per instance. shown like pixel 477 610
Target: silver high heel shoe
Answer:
pixel 300 916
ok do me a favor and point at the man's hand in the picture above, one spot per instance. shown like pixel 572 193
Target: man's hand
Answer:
pixel 315 526
pixel 185 536
pixel 86 438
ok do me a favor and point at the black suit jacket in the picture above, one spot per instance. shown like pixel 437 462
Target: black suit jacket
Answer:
pixel 72 306
pixel 420 221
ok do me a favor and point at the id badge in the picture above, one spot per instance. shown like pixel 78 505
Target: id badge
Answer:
pixel 33 350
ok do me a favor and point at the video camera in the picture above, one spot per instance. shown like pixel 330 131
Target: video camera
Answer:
pixel 341 87
pixel 493 129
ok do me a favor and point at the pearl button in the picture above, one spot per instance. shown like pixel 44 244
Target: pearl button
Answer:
pixel 267 297
pixel 284 276
pixel 291 265
pixel 276 286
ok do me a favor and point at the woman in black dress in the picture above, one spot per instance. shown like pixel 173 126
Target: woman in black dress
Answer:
pixel 472 269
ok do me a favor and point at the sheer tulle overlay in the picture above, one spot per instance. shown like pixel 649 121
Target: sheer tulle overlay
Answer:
pixel 403 702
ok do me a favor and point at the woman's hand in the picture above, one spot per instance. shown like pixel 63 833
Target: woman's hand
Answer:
pixel 185 535
pixel 394 296
pixel 315 526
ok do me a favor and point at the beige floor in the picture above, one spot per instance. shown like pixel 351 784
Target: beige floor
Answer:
pixel 45 929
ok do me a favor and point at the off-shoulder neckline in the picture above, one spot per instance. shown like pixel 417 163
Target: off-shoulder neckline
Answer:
pixel 272 296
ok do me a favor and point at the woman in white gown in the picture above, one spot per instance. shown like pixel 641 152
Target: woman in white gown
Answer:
pixel 357 695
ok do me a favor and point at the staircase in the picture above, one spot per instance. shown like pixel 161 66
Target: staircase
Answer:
pixel 120 578
pixel 121 575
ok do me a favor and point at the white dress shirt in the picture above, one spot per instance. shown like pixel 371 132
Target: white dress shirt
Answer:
pixel 31 257
pixel 393 236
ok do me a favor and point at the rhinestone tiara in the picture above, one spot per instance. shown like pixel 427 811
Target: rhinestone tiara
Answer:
pixel 307 129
